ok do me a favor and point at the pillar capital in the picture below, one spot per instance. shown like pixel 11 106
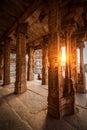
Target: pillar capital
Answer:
pixel 22 29
pixel 30 45
pixel 80 45
pixel 45 39
pixel 68 28
pixel 8 40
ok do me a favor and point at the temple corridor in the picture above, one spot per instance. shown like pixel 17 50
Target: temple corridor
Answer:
pixel 43 47
pixel 29 110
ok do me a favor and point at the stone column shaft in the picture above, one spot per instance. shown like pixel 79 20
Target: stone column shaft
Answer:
pixel 1 66
pixel 68 64
pixel 20 84
pixel 45 64
pixel 74 64
pixel 81 61
pixel 53 44
pixel 69 86
pixel 7 62
pixel 30 72
pixel 81 78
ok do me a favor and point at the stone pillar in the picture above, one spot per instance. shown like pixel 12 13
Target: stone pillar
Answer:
pixel 7 61
pixel 1 65
pixel 30 72
pixel 20 84
pixel 69 88
pixel 74 64
pixel 69 91
pixel 81 76
pixel 45 61
pixel 54 21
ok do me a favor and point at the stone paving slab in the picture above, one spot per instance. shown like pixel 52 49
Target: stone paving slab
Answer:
pixel 79 120
pixel 81 99
pixel 37 121
pixel 9 120
pixel 29 111
pixel 38 89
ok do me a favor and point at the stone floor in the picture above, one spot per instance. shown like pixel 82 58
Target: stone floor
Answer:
pixel 29 110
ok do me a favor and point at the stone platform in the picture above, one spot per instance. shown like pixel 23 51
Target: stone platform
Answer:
pixel 29 110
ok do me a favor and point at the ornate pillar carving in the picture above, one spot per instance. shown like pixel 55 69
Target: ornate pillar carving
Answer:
pixel 69 88
pixel 54 24
pixel 30 72
pixel 81 76
pixel 20 84
pixel 74 64
pixel 45 61
pixel 7 61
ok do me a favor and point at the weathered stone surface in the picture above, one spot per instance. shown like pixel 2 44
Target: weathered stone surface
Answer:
pixel 20 84
pixel 45 61
pixel 30 72
pixel 81 76
pixel 53 79
pixel 23 112
pixel 1 64
pixel 7 61
pixel 53 18
pixel 74 64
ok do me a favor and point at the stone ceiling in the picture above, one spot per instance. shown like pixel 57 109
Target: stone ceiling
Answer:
pixel 10 11
pixel 36 14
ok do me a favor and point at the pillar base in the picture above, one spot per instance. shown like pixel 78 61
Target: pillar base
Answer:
pixel 67 106
pixel 53 107
pixel 59 109
pixel 20 87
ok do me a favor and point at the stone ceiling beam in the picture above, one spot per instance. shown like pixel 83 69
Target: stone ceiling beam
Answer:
pixel 29 11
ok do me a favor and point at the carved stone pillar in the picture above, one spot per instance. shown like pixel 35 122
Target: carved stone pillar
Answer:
pixel 1 65
pixel 69 88
pixel 74 64
pixel 54 21
pixel 45 61
pixel 20 84
pixel 30 72
pixel 81 77
pixel 7 61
